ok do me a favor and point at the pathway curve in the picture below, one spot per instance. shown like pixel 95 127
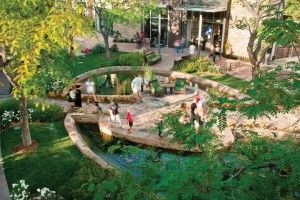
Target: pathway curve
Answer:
pixel 4 192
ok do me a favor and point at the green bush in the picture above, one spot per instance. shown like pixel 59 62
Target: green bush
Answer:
pixel 197 65
pixel 157 90
pixel 99 81
pixel 123 87
pixel 43 113
pixel 131 59
pixel 47 113
pixel 99 48
pixel 114 48
pixel 149 73
pixel 179 84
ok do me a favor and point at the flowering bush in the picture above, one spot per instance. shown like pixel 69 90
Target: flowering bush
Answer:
pixel 20 192
pixel 9 116
pixel 45 194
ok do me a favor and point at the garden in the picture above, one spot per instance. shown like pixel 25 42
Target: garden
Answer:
pixel 242 142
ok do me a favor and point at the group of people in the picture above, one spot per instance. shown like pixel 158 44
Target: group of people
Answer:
pixel 74 95
pixel 195 112
pixel 115 116
pixel 75 99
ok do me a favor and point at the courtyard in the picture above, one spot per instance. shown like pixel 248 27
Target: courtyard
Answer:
pixel 163 101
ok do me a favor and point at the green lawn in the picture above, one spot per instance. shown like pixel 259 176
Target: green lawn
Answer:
pixel 231 81
pixel 52 165
pixel 81 64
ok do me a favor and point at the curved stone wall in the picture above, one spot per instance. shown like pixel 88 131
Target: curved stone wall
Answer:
pixel 81 145
pixel 202 82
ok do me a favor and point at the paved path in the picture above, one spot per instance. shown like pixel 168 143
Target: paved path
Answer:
pixel 4 192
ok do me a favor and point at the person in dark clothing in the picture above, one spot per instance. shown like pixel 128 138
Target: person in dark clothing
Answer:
pixel 78 101
pixel 193 115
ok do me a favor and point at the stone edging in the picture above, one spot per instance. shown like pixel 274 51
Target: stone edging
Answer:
pixel 76 138
pixel 138 137
pixel 202 82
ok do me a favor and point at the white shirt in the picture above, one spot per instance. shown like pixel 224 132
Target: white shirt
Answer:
pixel 90 86
pixel 192 49
pixel 136 84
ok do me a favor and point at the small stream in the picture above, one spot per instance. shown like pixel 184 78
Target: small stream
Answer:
pixel 123 154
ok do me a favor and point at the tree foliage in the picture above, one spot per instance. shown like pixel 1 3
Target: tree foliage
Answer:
pixel 109 12
pixel 256 168
pixel 29 30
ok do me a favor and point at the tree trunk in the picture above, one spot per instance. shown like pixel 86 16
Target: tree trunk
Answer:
pixel 255 70
pixel 295 48
pixel 106 42
pixel 72 50
pixel 26 137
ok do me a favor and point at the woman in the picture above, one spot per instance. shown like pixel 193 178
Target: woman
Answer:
pixel 78 101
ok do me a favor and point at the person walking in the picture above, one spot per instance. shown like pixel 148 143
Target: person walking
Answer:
pixel 136 86
pixel 90 90
pixel 212 53
pixel 177 45
pixel 114 112
pixel 129 117
pixel 182 44
pixel 78 101
pixel 218 51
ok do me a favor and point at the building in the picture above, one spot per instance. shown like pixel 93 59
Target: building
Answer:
pixel 201 22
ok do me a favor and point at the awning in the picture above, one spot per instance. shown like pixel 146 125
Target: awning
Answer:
pixel 211 6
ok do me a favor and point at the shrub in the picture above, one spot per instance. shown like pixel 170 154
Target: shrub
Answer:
pixel 43 113
pixel 149 73
pixel 123 87
pixel 47 112
pixel 157 90
pixel 114 48
pixel 197 65
pixel 98 48
pixel 99 81
pixel 131 59
pixel 179 84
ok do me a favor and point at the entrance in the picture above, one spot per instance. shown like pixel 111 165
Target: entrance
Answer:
pixel 152 28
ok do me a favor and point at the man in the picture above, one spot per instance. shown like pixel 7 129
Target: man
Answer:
pixel 136 86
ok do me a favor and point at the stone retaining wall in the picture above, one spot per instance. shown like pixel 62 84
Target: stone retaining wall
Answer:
pixel 80 143
pixel 202 82
pixel 139 138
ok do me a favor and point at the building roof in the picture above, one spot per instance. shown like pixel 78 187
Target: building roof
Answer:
pixel 204 5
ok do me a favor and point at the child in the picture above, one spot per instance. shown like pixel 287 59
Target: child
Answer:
pixel 129 118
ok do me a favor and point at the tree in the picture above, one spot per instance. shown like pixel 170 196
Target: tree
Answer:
pixel 282 31
pixel 293 9
pixel 30 30
pixel 119 11
pixel 256 48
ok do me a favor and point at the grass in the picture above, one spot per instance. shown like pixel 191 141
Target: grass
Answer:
pixel 81 64
pixel 52 165
pixel 231 81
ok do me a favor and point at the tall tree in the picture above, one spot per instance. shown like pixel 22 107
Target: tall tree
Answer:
pixel 258 11
pixel 29 30
pixel 293 9
pixel 119 11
